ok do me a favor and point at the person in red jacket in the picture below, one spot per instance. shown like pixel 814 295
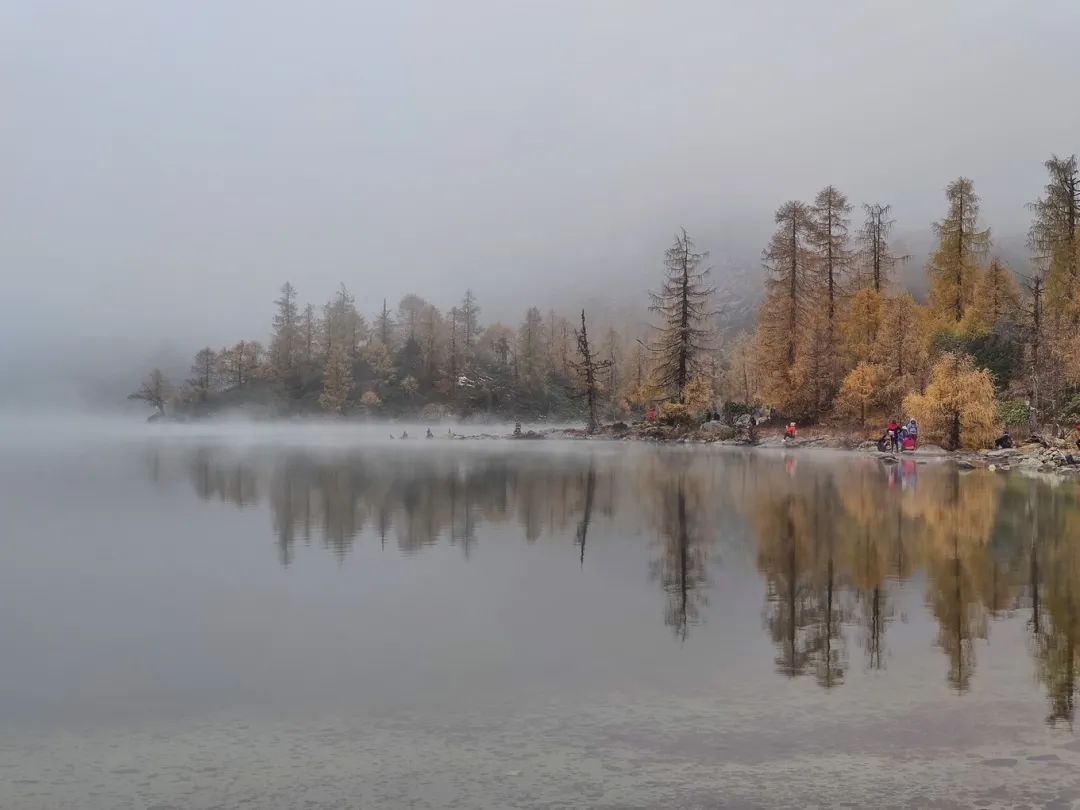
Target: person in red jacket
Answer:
pixel 790 432
pixel 893 434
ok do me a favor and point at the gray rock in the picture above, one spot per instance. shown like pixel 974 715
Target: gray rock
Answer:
pixel 931 450
pixel 717 430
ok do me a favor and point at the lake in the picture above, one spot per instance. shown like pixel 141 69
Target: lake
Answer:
pixel 325 618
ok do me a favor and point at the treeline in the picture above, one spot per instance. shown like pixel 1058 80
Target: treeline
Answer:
pixel 989 348
pixel 836 338
pixel 413 358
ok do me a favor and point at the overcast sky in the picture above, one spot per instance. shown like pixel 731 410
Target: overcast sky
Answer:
pixel 166 165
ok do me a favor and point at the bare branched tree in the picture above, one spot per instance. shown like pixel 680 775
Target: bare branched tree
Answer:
pixel 588 368
pixel 154 390
pixel 877 260
pixel 683 306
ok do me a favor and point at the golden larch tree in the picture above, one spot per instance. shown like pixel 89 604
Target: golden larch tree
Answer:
pixel 861 390
pixel 996 301
pixel 1055 237
pixel 783 319
pixel 954 267
pixel 860 324
pixel 958 404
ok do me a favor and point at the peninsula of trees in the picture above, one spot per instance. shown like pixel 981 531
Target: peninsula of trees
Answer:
pixel 836 339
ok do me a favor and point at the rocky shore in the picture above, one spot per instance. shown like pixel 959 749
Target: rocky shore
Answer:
pixel 1037 455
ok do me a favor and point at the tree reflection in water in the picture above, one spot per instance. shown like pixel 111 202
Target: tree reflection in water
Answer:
pixel 834 541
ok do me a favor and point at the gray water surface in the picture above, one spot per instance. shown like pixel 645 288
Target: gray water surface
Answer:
pixel 195 619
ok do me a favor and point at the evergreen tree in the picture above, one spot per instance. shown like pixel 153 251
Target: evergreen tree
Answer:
pixel 1034 330
pixel 828 238
pixel 384 327
pixel 285 340
pixel 996 300
pixel 431 337
pixel 308 328
pixel 900 347
pixel 877 261
pixel 337 380
pixel 740 377
pixel 238 363
pixel 531 350
pixel 411 310
pixel 343 325
pixel 682 305
pixel 611 351
pixel 589 366
pixel 783 320
pixel 203 374
pixel 469 314
pixel 860 324
pixel 831 268
pixel 454 355
pixel 954 267
pixel 1055 237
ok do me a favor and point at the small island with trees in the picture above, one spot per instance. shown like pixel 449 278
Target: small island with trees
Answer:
pixel 837 342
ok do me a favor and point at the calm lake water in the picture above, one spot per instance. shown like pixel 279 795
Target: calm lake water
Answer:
pixel 324 619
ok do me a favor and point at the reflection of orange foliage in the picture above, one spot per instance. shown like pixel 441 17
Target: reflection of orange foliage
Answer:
pixel 831 538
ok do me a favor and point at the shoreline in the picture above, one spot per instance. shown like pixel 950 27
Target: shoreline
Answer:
pixel 1032 458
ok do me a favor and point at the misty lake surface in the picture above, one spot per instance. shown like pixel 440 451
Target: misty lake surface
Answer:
pixel 300 617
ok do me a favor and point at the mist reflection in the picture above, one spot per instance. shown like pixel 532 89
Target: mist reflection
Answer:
pixel 835 543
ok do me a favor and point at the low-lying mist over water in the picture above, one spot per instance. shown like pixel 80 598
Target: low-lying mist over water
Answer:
pixel 424 405
pixel 290 614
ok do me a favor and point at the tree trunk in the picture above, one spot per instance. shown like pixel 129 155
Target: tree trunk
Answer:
pixel 954 431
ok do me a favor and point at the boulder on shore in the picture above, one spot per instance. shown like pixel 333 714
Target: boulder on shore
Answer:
pixel 717 431
pixel 931 450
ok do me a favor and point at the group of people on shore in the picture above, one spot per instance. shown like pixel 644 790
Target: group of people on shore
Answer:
pixel 898 438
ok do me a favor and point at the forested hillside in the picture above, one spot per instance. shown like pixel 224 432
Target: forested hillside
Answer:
pixel 836 338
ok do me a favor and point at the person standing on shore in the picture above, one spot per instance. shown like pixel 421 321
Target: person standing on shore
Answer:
pixel 892 432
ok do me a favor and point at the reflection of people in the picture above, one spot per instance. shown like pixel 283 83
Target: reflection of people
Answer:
pixel 908 474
